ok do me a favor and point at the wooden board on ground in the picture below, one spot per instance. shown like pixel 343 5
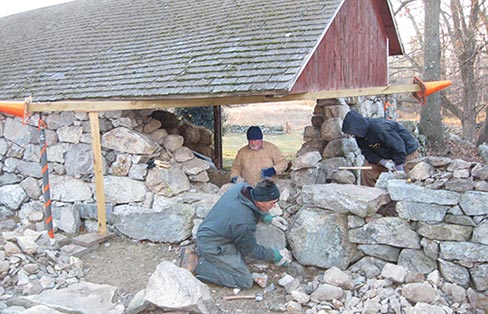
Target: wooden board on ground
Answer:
pixel 78 250
pixel 92 238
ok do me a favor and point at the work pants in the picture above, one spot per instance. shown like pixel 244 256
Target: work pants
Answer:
pixel 222 265
pixel 369 177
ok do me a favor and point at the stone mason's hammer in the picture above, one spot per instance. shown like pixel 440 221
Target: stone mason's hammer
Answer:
pixel 258 297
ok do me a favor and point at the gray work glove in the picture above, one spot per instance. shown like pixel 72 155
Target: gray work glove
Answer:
pixel 388 164
pixel 279 222
pixel 400 167
pixel 276 221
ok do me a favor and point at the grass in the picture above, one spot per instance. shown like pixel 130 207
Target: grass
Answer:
pixel 289 143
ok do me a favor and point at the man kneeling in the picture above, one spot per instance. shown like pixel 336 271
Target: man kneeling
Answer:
pixel 227 234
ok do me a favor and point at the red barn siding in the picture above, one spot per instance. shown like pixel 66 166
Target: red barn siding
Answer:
pixel 352 54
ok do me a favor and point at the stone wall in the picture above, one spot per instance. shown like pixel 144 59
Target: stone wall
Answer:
pixel 436 220
pixel 129 140
pixel 324 135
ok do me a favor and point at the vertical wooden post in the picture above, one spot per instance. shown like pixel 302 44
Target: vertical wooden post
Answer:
pixel 98 169
pixel 218 137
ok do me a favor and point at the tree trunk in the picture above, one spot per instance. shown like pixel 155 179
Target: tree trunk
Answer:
pixel 483 137
pixel 430 116
pixel 466 52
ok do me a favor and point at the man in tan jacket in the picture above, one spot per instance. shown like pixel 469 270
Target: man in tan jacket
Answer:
pixel 257 160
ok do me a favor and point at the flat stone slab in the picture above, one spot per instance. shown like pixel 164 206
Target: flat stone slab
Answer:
pixel 82 298
pixel 92 238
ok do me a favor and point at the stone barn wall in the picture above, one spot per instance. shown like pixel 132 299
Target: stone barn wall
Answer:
pixel 129 140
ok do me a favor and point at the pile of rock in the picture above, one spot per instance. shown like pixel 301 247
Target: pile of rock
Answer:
pixel 395 290
pixel 445 173
pixel 431 229
pixel 31 262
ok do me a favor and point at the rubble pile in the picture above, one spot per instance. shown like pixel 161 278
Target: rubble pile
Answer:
pixel 449 174
pixel 31 262
pixel 395 290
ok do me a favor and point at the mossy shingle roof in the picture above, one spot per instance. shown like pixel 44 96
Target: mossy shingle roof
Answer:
pixel 120 49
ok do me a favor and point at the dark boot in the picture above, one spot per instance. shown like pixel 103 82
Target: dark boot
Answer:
pixel 188 259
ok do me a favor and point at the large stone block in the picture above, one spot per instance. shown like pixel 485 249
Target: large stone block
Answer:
pixel 319 238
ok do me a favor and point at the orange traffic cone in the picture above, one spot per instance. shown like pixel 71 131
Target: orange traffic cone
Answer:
pixel 16 108
pixel 428 88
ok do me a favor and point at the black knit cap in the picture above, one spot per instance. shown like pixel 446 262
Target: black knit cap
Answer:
pixel 254 133
pixel 265 191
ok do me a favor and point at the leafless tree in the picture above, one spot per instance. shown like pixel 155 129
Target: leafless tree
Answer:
pixel 463 40
pixel 430 117
pixel 463 37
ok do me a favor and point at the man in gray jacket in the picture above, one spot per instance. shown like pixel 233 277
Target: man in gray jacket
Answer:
pixel 228 233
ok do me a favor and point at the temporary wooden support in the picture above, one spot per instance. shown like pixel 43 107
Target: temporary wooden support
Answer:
pixel 219 163
pixel 98 169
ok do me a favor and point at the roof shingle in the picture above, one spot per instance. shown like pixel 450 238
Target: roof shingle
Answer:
pixel 91 49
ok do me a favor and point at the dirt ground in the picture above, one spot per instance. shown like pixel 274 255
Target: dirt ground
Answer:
pixel 128 265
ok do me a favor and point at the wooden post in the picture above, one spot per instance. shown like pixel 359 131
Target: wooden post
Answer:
pixel 218 137
pixel 98 169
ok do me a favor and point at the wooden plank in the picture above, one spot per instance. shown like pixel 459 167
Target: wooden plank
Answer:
pixel 98 169
pixel 355 168
pixel 219 163
pixel 78 250
pixel 92 238
pixel 113 105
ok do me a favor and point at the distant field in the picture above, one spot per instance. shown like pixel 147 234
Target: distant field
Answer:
pixel 289 144
pixel 296 115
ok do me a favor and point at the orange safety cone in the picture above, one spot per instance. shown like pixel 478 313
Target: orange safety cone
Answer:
pixel 16 108
pixel 428 88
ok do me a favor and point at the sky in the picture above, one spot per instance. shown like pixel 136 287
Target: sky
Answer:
pixel 8 7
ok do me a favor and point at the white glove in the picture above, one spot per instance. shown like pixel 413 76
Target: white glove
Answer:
pixel 281 257
pixel 279 222
pixel 286 256
pixel 388 164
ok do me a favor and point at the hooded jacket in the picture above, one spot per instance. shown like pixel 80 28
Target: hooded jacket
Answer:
pixel 380 138
pixel 233 220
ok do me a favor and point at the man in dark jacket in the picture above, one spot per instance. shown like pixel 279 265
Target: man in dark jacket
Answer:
pixel 385 144
pixel 228 233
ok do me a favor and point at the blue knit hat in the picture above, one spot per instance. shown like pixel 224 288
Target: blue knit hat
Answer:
pixel 254 133
pixel 265 191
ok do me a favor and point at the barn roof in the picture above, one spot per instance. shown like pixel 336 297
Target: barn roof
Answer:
pixel 134 49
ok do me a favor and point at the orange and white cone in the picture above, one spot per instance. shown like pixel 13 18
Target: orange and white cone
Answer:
pixel 428 88
pixel 16 108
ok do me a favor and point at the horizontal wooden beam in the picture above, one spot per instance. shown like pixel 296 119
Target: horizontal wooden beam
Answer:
pixel 113 105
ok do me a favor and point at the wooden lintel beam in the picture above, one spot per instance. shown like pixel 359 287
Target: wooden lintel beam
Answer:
pixel 113 105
